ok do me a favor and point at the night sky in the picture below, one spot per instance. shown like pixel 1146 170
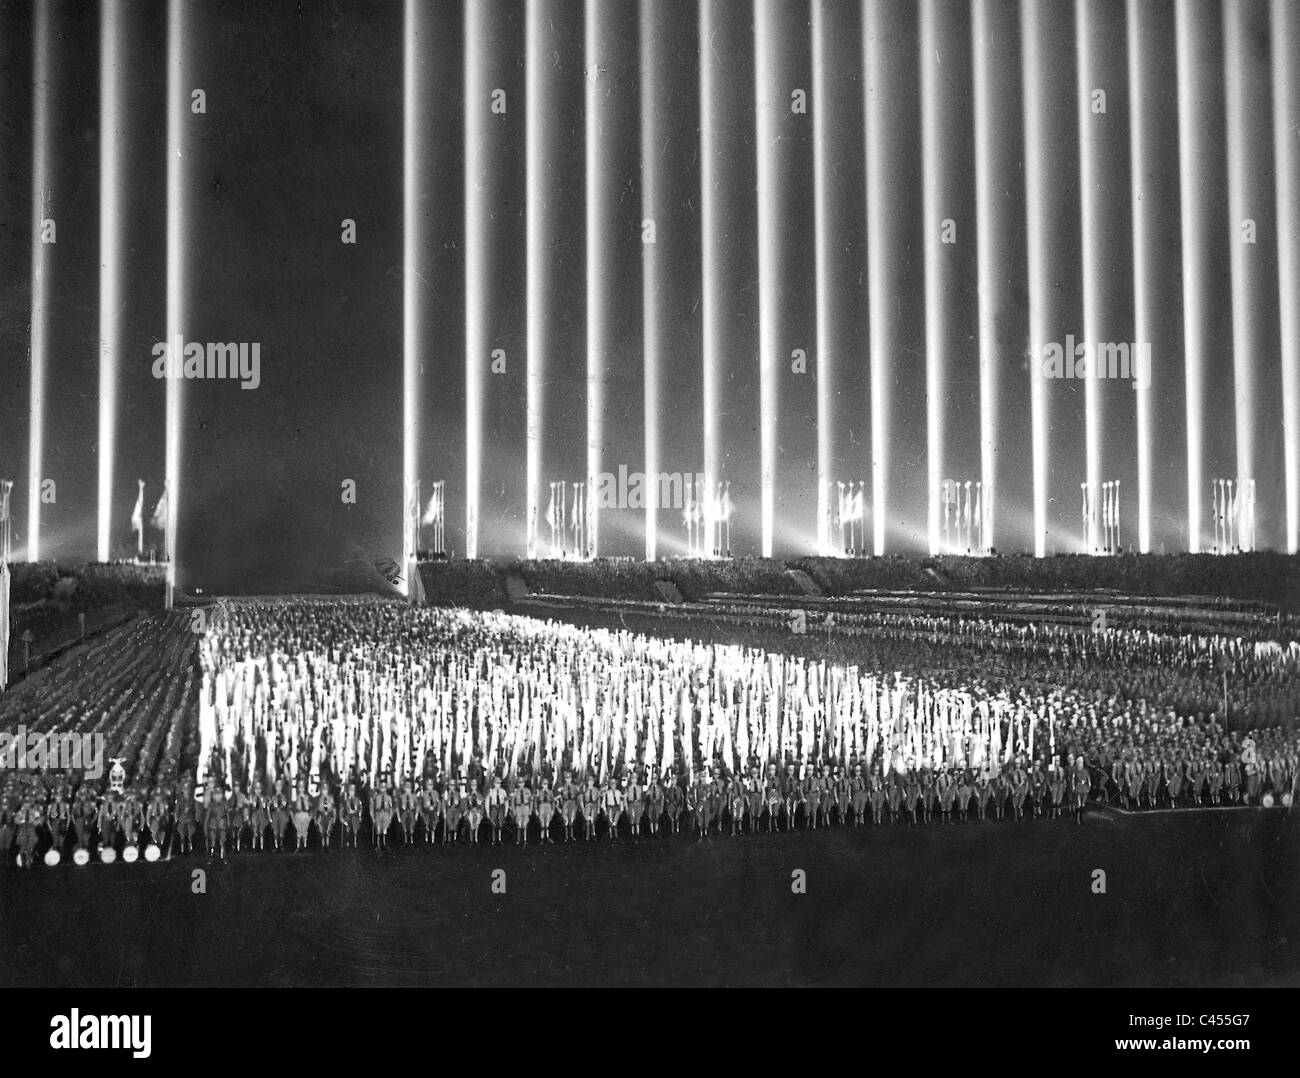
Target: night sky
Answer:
pixel 304 128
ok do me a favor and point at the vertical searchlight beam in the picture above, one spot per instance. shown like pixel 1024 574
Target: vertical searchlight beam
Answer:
pixel 477 266
pixel 597 218
pixel 1037 203
pixel 932 134
pixel 824 240
pixel 652 79
pixel 711 239
pixel 1143 151
pixel 177 103
pixel 1286 121
pixel 412 272
pixel 881 246
pixel 111 120
pixel 768 114
pixel 1244 275
pixel 1091 209
pixel 1193 147
pixel 991 256
pixel 536 201
pixel 42 256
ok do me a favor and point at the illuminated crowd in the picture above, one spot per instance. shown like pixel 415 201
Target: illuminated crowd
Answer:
pixel 282 724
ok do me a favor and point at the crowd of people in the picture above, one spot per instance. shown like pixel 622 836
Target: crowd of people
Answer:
pixel 275 723
pixel 123 583
pixel 1263 577
pixel 1187 673
pixel 45 814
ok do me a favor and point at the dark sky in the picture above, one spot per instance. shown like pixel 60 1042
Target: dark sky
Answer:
pixel 304 128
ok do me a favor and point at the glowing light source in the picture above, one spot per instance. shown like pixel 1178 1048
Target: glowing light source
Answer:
pixel 110 261
pixel 1285 36
pixel 768 107
pixel 42 50
pixel 1193 148
pixel 1037 205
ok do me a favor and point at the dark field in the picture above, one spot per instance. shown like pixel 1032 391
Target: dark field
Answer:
pixel 1194 899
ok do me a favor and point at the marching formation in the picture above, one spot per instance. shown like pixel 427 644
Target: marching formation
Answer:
pixel 46 815
pixel 328 722
pixel 327 689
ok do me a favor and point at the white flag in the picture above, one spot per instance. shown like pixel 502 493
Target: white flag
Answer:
pixel 159 518
pixel 137 514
